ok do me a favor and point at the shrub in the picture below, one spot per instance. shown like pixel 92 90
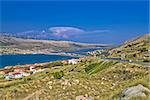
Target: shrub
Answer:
pixel 146 60
pixel 58 75
pixel 2 76
pixel 143 50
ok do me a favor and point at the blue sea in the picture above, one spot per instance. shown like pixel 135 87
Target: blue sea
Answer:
pixel 20 59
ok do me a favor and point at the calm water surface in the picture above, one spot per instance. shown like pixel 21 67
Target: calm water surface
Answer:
pixel 19 59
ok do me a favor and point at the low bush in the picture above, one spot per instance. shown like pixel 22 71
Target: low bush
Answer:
pixel 2 76
pixel 146 60
pixel 58 75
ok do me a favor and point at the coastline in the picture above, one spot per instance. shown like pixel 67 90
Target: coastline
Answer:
pixel 23 59
pixel 73 54
pixel 47 52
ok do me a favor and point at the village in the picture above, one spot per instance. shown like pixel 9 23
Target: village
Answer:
pixel 19 71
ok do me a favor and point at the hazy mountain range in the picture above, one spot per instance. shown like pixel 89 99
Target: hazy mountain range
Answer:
pixel 15 45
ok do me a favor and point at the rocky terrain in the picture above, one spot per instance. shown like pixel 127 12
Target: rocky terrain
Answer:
pixel 89 79
pixel 135 92
pixel 13 45
pixel 137 49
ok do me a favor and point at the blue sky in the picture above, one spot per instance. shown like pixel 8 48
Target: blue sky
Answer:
pixel 90 21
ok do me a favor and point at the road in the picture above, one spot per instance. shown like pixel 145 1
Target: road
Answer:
pixel 146 64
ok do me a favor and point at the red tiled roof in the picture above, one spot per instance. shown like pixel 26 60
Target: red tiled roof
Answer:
pixel 16 73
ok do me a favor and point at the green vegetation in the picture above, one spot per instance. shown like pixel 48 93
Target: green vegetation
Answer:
pixel 58 75
pixel 2 76
pixel 100 79
pixel 97 67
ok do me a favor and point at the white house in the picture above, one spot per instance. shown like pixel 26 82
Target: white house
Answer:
pixel 32 68
pixel 73 61
pixel 26 74
pixel 17 75
pixel 18 70
pixel 38 70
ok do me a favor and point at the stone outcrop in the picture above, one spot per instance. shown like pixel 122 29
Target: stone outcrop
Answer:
pixel 135 92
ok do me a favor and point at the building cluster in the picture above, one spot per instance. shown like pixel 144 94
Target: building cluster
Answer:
pixel 99 53
pixel 73 61
pixel 20 71
pixel 29 69
pixel 76 61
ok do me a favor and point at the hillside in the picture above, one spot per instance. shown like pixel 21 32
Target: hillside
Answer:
pixel 90 79
pixel 87 78
pixel 13 45
pixel 135 49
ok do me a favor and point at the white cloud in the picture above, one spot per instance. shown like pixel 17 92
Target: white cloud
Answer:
pixel 67 32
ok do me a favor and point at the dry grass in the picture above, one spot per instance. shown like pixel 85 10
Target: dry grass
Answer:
pixel 103 84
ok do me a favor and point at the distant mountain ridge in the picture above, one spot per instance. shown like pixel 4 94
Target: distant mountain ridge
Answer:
pixel 13 45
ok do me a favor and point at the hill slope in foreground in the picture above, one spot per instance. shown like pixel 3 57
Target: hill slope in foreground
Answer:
pixel 13 45
pixel 90 79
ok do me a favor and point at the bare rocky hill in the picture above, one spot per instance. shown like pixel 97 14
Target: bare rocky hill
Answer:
pixel 13 45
